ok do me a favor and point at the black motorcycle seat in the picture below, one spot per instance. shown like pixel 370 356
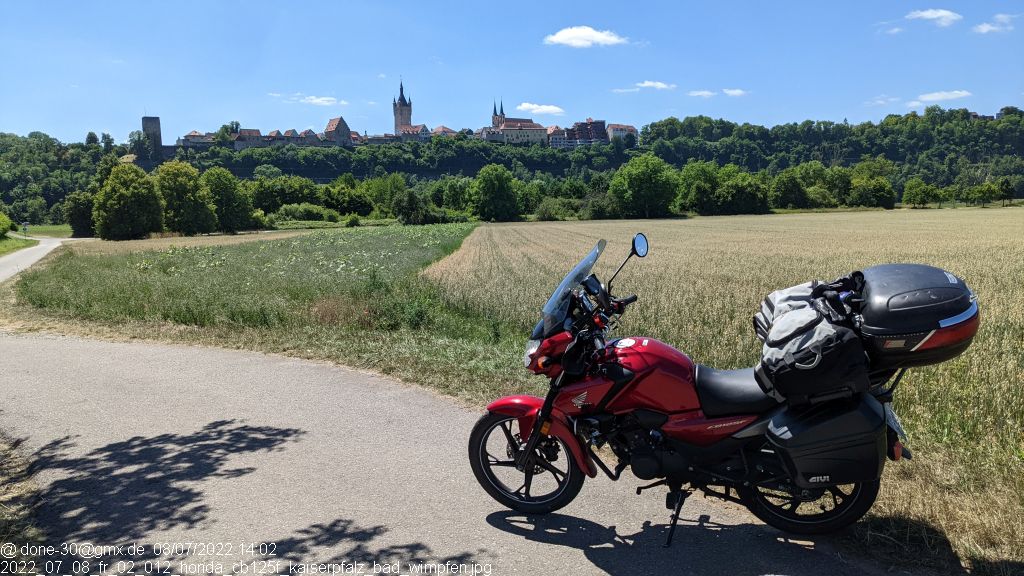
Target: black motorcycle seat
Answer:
pixel 731 392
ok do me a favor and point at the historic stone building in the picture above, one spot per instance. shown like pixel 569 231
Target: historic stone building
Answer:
pixel 402 109
pixel 512 130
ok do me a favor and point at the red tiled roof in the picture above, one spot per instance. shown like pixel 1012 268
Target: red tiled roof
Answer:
pixel 442 129
pixel 274 134
pixel 307 132
pixel 332 124
pixel 412 129
pixel 625 127
pixel 248 132
pixel 519 124
pixel 194 133
pixel 291 133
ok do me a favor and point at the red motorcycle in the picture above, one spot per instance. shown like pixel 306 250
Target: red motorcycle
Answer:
pixel 806 467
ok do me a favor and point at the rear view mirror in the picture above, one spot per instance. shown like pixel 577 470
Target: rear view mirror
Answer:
pixel 640 245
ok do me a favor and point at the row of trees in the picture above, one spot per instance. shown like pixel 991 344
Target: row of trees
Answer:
pixel 720 167
pixel 132 204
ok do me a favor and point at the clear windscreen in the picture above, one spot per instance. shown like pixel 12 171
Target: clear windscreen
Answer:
pixel 557 306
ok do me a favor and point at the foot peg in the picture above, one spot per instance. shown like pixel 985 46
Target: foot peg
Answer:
pixel 640 489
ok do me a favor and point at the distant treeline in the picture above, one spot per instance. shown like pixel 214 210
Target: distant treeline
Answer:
pixel 719 167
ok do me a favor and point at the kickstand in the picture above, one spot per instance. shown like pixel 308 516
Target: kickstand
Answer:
pixel 680 497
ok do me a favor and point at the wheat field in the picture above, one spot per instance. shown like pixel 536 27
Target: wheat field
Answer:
pixel 963 494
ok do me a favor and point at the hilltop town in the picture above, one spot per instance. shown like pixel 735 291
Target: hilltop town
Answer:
pixel 502 129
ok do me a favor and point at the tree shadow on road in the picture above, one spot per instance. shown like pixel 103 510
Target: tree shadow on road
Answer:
pixel 126 490
pixel 344 542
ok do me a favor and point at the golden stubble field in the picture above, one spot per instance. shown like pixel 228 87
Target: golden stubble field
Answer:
pixel 963 493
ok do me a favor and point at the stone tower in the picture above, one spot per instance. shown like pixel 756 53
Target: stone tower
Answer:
pixel 151 128
pixel 402 109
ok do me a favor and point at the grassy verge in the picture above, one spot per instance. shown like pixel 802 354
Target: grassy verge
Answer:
pixel 16 494
pixel 50 230
pixel 9 244
pixel 319 224
pixel 353 296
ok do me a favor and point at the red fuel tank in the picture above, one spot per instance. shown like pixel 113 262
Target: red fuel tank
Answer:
pixel 664 377
pixel 662 381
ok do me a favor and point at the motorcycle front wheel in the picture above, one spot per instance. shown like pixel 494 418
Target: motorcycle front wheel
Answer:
pixel 550 481
pixel 817 511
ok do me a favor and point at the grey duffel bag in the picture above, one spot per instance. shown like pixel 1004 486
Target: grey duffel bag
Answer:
pixel 808 358
pixel 779 303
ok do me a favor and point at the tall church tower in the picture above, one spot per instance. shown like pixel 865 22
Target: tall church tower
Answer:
pixel 497 118
pixel 402 109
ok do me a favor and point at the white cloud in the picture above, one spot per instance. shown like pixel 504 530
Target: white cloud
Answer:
pixel 382 75
pixel 1000 23
pixel 584 37
pixel 943 95
pixel 940 16
pixel 274 94
pixel 625 90
pixel 655 84
pixel 319 100
pixel 540 109
pixel 735 92
pixel 882 100
pixel 371 103
pixel 914 104
pixel 894 30
pixel 701 93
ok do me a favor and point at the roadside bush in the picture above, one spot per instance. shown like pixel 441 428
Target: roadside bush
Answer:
pixel 232 205
pixel 644 187
pixel 188 204
pixel 551 208
pixel 307 211
pixel 258 220
pixel 5 224
pixel 494 195
pixel 78 213
pixel 352 221
pixel 872 192
pixel 128 206
pixel 600 208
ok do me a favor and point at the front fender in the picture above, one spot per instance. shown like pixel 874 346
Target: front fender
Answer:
pixel 524 409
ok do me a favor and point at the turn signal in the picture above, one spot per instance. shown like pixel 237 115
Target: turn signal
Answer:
pixel 543 362
pixel 545 428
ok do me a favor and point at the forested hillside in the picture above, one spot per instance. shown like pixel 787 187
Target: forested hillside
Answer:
pixel 790 165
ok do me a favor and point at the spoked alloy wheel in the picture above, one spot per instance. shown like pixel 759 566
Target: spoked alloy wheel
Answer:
pixel 549 482
pixel 814 511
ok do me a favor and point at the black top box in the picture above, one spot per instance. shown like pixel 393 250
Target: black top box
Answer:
pixel 914 315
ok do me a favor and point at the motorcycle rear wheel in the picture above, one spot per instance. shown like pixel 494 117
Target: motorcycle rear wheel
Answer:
pixel 835 509
pixel 493 446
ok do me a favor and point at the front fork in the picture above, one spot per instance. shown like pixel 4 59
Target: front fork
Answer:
pixel 539 424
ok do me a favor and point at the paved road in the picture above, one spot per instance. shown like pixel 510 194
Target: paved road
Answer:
pixel 14 263
pixel 156 443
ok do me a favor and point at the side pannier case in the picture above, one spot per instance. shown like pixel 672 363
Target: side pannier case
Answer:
pixel 915 315
pixel 833 443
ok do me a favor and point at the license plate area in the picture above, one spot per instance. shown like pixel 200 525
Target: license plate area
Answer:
pixel 893 421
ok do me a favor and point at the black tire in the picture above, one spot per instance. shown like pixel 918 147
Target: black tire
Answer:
pixel 854 506
pixel 565 488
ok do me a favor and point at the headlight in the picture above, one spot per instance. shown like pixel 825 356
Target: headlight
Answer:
pixel 531 348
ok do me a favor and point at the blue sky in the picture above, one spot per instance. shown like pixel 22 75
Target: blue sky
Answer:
pixel 70 67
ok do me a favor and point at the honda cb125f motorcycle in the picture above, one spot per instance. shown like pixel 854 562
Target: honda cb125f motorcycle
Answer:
pixel 807 463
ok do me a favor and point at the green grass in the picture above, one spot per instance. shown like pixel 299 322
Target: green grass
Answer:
pixel 9 244
pixel 352 295
pixel 16 494
pixel 319 224
pixel 50 230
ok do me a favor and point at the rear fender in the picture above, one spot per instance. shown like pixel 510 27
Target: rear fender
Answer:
pixel 524 409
